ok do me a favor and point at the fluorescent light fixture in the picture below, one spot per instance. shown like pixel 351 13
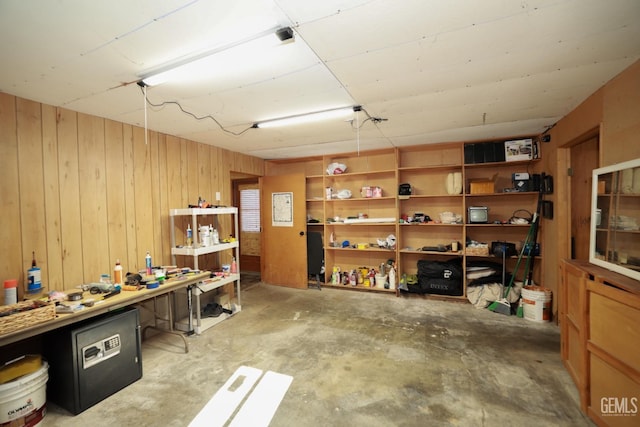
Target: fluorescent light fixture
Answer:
pixel 308 117
pixel 200 64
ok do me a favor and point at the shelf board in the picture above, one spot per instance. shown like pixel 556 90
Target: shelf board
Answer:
pixel 206 322
pixel 203 211
pixel 430 224
pixel 416 251
pixel 360 224
pixel 429 196
pixel 216 282
pixel 361 199
pixel 369 249
pixel 456 166
pixel 204 249
pixel 358 288
pixel 348 174
pixel 509 194
pixel 498 225
pixel 499 164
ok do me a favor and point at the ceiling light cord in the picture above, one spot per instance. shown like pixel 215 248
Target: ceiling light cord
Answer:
pixel 358 129
pixel 189 113
pixel 145 115
pixel 370 118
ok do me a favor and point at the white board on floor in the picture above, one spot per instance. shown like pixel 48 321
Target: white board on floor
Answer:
pixel 259 407
pixel 224 403
pixel 264 400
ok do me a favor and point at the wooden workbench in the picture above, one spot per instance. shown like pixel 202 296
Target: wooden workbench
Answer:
pixel 116 302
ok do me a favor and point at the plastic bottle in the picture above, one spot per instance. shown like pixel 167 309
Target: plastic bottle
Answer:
pixel 392 277
pixel 215 236
pixel 234 266
pixel 34 277
pixel 147 261
pixel 189 236
pixel 11 291
pixel 117 273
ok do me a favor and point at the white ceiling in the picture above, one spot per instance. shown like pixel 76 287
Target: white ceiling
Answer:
pixel 438 70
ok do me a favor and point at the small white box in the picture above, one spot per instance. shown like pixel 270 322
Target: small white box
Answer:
pixel 519 149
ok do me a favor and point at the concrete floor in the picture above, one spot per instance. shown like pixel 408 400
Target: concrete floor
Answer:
pixel 357 359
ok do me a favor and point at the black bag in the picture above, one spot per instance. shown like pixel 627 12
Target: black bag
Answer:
pixel 440 277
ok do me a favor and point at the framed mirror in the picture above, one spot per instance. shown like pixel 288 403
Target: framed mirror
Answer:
pixel 615 218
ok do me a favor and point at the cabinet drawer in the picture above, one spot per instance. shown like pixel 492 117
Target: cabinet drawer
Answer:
pixel 615 328
pixel 615 398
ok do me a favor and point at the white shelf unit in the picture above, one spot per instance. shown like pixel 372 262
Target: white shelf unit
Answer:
pixel 202 324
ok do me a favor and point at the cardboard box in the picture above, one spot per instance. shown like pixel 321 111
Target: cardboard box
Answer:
pixel 519 149
pixel 483 186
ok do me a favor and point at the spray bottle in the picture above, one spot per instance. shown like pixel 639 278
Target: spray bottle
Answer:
pixel 189 236
pixel 215 236
pixel 147 260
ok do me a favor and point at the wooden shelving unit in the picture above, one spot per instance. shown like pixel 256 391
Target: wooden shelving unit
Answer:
pixel 428 168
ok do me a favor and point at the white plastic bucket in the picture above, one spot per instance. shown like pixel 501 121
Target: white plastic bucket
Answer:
pixel 23 400
pixel 536 302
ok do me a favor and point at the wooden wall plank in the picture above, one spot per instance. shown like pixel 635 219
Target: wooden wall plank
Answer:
pixel 155 193
pixel 70 218
pixel 31 182
pixel 143 201
pixel 205 187
pixel 11 260
pixel 193 188
pixel 93 197
pixel 87 182
pixel 164 201
pixel 52 197
pixel 116 195
pixel 128 256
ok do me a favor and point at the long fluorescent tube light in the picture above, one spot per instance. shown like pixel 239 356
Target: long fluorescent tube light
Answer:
pixel 176 69
pixel 308 117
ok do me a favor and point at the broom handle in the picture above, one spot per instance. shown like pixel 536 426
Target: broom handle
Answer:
pixel 515 270
pixel 528 277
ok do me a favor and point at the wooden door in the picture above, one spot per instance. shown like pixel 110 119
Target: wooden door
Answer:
pixel 250 241
pixel 584 158
pixel 284 224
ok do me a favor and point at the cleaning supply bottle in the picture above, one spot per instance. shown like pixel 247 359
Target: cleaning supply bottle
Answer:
pixel 189 236
pixel 117 273
pixel 392 277
pixel 34 277
pixel 234 266
pixel 10 291
pixel 147 260
pixel 215 236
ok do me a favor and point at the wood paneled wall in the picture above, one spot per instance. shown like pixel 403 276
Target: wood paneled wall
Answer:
pixel 82 191
pixel 613 112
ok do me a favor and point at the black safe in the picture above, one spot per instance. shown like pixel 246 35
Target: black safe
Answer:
pixel 93 359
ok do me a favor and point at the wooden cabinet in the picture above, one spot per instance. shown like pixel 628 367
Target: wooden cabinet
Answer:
pixel 373 211
pixel 599 315
pixel 616 216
